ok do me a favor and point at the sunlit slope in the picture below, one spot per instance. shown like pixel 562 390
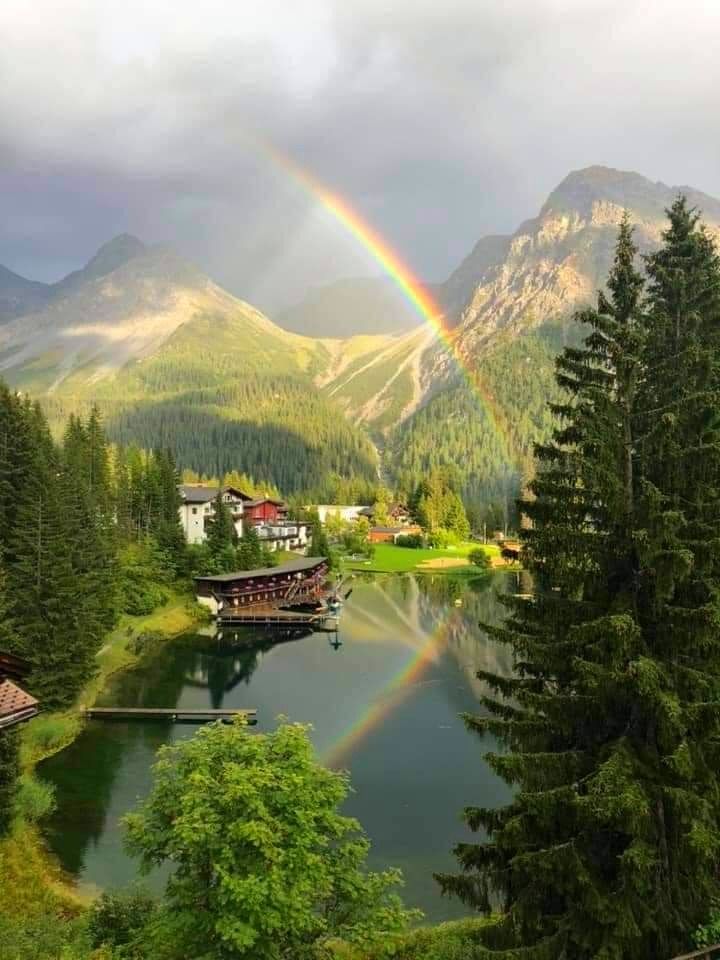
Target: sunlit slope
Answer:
pixel 173 360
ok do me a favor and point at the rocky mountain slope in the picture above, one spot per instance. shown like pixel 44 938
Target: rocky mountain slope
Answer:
pixel 165 349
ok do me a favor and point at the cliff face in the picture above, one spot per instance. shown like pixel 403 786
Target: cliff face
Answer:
pixel 555 262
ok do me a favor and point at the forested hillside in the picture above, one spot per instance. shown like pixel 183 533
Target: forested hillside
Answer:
pixel 175 360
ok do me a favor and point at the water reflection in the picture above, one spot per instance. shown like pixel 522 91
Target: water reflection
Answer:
pixel 384 697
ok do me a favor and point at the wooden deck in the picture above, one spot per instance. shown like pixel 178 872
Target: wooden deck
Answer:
pixel 176 714
pixel 273 616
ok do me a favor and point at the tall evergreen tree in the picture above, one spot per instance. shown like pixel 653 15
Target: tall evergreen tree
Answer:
pixel 611 719
pixel 249 554
pixel 221 534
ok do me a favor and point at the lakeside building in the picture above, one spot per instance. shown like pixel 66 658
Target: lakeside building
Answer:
pixel 294 583
pixel 16 705
pixel 268 516
pixel 398 513
pixel 344 511
pixel 391 534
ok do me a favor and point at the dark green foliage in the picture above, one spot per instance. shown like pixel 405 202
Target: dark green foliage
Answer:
pixel 611 722
pixel 264 865
pixel 117 920
pixel 437 506
pixel 9 776
pixel 412 540
pixel 484 434
pixel 319 546
pixel 479 558
pixel 143 577
pixel 221 534
pixel 57 540
pixel 249 554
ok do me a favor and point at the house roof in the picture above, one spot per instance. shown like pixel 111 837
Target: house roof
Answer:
pixel 199 493
pixel 193 493
pixel 12 666
pixel 292 566
pixel 15 704
pixel 257 503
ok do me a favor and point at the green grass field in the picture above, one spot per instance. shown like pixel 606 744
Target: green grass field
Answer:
pixel 391 559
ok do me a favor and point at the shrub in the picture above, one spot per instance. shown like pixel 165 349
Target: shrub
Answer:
pixel 412 540
pixel 35 799
pixel 117 919
pixel 144 641
pixel 479 558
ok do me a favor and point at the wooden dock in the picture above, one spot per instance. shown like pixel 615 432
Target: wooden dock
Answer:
pixel 175 714
pixel 274 617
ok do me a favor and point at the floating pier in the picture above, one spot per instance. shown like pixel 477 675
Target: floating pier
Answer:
pixel 176 714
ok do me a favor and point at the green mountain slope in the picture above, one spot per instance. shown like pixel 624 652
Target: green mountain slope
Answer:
pixel 175 361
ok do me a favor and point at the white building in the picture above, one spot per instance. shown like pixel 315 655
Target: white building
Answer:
pixel 345 512
pixel 274 530
pixel 198 508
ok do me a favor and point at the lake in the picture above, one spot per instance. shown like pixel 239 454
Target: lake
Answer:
pixel 384 696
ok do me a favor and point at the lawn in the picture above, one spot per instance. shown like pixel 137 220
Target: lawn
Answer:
pixel 391 559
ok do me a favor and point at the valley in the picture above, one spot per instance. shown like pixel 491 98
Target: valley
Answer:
pixel 175 360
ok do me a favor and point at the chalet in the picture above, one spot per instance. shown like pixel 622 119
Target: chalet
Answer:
pixel 198 508
pixel 15 704
pixel 398 513
pixel 391 534
pixel 268 516
pixel 295 582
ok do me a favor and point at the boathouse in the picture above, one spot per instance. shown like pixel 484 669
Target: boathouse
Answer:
pixel 295 582
pixel 15 704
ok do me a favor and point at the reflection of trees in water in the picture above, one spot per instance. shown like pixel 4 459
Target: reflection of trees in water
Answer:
pixel 430 603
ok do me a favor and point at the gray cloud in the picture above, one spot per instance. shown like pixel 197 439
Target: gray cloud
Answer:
pixel 439 122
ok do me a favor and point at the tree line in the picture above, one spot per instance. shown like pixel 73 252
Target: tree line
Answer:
pixel 611 720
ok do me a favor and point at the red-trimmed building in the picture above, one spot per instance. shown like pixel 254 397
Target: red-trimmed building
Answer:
pixel 267 515
pixel 295 582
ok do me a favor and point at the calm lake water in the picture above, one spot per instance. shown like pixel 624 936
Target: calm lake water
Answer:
pixel 385 703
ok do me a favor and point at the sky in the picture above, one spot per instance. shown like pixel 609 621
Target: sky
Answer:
pixel 438 122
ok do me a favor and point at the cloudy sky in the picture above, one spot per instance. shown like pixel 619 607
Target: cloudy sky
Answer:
pixel 438 121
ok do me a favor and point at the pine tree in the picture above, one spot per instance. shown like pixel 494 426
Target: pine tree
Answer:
pixel 221 535
pixel 249 554
pixel 611 719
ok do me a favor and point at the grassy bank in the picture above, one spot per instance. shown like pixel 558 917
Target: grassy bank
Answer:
pixel 389 558
pixel 33 885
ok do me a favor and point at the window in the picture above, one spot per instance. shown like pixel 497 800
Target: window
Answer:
pixel 194 510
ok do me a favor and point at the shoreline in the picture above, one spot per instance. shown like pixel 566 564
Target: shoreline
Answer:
pixel 27 859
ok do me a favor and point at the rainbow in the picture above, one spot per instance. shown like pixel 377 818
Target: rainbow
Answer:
pixel 391 263
pixel 398 687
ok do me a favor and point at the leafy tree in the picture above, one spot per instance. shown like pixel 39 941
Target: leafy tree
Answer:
pixel 264 866
pixel 609 846
pixel 479 558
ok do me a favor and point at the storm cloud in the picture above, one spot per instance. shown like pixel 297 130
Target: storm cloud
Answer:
pixel 440 122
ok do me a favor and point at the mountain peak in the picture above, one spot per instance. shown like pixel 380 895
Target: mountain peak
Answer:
pixel 114 254
pixel 582 188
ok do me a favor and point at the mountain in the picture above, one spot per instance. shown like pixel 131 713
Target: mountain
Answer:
pixel 175 360
pixel 19 296
pixel 351 307
pixel 520 294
